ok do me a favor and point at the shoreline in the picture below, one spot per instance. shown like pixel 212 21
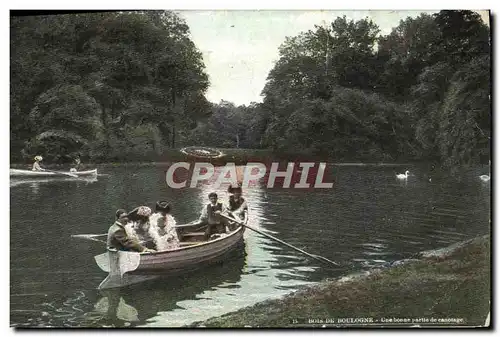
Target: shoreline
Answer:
pixel 239 156
pixel 167 163
pixel 445 287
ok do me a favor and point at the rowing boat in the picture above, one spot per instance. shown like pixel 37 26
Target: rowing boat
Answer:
pixel 202 152
pixel 127 268
pixel 44 180
pixel 15 173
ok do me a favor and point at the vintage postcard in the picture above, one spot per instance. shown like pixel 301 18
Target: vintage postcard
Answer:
pixel 230 169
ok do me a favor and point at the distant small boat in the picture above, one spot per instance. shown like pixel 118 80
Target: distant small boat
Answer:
pixel 202 152
pixel 484 177
pixel 14 173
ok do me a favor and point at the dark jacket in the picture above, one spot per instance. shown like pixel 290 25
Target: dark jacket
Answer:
pixel 119 240
pixel 236 204
pixel 208 215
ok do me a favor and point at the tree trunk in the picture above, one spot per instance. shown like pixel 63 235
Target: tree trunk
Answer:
pixel 173 136
pixel 174 119
pixel 104 120
pixel 237 141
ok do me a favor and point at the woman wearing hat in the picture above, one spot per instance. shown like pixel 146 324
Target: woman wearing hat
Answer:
pixel 164 227
pixel 237 204
pixel 36 164
pixel 140 218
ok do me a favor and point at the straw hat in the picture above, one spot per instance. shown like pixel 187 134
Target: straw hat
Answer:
pixel 162 206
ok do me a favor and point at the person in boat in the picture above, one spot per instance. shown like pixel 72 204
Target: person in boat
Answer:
pixel 210 215
pixel 118 239
pixel 36 164
pixel 141 225
pixel 76 164
pixel 164 224
pixel 237 205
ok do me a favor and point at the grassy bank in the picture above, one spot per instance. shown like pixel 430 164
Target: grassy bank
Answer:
pixel 452 284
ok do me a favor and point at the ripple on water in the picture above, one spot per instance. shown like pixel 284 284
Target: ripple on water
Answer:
pixel 367 220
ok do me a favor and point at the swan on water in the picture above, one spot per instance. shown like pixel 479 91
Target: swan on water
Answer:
pixel 402 176
pixel 484 177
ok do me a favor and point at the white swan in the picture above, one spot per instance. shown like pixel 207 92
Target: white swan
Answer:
pixel 403 176
pixel 484 177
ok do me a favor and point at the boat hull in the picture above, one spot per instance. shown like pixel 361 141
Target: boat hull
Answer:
pixel 188 258
pixel 135 267
pixel 15 173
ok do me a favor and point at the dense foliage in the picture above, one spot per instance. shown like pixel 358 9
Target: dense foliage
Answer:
pixel 130 84
pixel 105 86
pixel 343 91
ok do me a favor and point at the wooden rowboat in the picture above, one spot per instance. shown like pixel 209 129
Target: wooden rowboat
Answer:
pixel 202 152
pixel 127 268
pixel 14 173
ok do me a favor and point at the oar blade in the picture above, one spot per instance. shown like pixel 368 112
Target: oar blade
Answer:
pixel 102 261
pixel 326 260
pixel 117 263
pixel 129 261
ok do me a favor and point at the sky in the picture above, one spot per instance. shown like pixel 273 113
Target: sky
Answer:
pixel 240 47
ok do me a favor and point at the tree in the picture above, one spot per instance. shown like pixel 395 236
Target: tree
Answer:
pixel 139 69
pixel 464 123
pixel 425 106
pixel 406 51
pixel 463 37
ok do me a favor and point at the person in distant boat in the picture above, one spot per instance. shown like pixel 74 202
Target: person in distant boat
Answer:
pixel 76 164
pixel 118 238
pixel 210 215
pixel 140 217
pixel 36 164
pixel 237 204
pixel 164 224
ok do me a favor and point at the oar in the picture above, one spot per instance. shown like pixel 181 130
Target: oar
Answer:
pixel 317 257
pixel 64 173
pixel 87 236
pixel 91 237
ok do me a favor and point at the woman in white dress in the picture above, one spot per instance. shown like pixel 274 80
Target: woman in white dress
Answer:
pixel 140 226
pixel 36 164
pixel 163 227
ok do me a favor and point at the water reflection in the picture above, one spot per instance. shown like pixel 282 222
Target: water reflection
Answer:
pixel 35 183
pixel 113 307
pixel 138 304
pixel 142 303
pixel 366 220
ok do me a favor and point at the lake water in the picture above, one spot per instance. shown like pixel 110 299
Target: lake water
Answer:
pixel 366 220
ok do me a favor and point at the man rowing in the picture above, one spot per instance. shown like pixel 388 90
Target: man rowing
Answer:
pixel 76 164
pixel 237 204
pixel 118 238
pixel 210 215
pixel 36 164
